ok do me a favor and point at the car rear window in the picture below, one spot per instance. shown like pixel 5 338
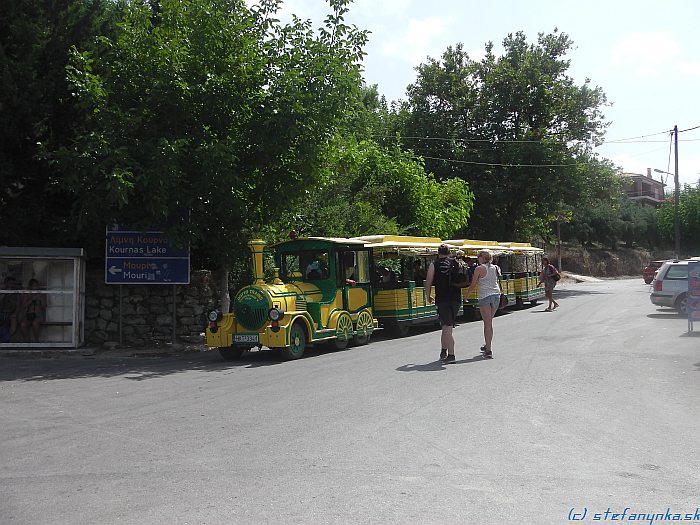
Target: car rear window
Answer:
pixel 677 272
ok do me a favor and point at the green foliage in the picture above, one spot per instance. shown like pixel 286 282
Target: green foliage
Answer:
pixel 206 108
pixel 516 128
pixel 367 189
pixel 688 218
pixel 610 223
pixel 37 110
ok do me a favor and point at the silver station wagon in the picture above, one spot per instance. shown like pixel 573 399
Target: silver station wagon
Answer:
pixel 670 286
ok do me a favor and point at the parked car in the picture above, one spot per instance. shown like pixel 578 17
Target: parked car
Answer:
pixel 670 286
pixel 650 269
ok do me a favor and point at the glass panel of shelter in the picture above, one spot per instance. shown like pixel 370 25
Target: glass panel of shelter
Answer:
pixel 55 282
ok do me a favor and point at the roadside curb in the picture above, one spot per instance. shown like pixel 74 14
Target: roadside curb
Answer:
pixel 580 278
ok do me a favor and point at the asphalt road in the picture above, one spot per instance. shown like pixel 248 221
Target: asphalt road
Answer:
pixel 595 406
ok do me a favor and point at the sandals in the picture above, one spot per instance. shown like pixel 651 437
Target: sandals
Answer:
pixel 548 309
pixel 555 306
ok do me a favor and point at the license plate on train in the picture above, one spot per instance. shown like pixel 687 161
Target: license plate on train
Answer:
pixel 245 338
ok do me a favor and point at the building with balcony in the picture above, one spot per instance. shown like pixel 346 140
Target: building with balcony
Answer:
pixel 643 188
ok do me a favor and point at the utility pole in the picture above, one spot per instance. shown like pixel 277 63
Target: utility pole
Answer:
pixel 676 218
pixel 559 241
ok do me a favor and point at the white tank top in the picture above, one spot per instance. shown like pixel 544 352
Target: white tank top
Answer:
pixel 488 284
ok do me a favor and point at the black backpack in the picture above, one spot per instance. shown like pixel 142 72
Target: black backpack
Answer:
pixel 459 273
pixel 554 273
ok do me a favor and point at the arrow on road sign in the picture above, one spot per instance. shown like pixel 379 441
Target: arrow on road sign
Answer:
pixel 114 270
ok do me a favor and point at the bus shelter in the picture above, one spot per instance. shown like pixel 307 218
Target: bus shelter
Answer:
pixel 42 297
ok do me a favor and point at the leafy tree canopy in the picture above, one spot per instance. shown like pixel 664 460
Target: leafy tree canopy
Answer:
pixel 688 219
pixel 515 127
pixel 368 189
pixel 36 107
pixel 210 109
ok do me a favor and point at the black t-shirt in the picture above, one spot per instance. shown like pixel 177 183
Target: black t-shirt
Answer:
pixel 443 291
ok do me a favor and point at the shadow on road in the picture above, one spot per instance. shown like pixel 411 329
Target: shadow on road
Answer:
pixel 565 292
pixel 133 368
pixel 437 365
pixel 666 314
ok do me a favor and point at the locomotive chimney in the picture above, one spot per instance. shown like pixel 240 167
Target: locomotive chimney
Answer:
pixel 256 247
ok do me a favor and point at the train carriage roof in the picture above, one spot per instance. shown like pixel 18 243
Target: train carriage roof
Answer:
pixel 402 244
pixel 471 246
pixel 317 242
pixel 521 247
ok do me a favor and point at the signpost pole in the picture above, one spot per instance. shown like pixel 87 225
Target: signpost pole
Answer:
pixel 174 311
pixel 120 316
pixel 693 297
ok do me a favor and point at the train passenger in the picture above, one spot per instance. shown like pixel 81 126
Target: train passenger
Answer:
pixel 418 272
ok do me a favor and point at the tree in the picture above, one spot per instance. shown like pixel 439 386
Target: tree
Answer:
pixel 516 127
pixel 368 189
pixel 609 223
pixel 37 110
pixel 688 218
pixel 209 110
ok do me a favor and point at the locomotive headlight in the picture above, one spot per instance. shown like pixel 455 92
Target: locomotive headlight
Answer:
pixel 214 315
pixel 275 314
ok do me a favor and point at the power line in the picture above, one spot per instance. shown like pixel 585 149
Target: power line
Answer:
pixel 517 141
pixel 503 165
pixel 641 136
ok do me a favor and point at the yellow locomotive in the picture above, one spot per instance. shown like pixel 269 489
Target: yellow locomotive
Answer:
pixel 321 292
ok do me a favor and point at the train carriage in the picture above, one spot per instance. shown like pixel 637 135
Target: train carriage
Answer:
pixel 320 292
pixel 399 297
pixel 499 255
pixel 523 268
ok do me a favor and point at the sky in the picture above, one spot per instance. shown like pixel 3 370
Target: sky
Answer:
pixel 644 54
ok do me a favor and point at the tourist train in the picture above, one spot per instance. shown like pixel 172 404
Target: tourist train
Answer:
pixel 338 291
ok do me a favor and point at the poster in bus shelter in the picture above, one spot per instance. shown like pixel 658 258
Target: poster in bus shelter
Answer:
pixel 693 303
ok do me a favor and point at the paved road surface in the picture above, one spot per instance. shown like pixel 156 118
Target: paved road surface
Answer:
pixel 595 406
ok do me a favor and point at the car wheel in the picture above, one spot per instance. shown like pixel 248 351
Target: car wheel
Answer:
pixel 682 304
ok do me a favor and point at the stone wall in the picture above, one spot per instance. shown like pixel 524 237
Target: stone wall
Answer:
pixel 147 310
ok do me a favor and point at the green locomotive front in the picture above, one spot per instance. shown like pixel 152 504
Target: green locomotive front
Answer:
pixel 320 293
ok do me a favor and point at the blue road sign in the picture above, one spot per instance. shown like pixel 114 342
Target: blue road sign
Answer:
pixel 693 297
pixel 134 257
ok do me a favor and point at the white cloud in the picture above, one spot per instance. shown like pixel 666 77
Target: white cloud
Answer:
pixel 372 9
pixel 629 163
pixel 687 68
pixel 419 39
pixel 645 53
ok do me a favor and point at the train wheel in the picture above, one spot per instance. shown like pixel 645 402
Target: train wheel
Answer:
pixel 230 353
pixel 343 331
pixel 364 327
pixel 297 342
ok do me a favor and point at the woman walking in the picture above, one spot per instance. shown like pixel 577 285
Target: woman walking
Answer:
pixel 489 294
pixel 549 277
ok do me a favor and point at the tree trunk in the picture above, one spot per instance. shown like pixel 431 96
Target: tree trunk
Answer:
pixel 224 296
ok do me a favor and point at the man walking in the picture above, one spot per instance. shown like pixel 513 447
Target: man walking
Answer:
pixel 447 300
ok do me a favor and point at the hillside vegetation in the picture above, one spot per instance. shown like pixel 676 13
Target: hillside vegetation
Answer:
pixel 599 262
